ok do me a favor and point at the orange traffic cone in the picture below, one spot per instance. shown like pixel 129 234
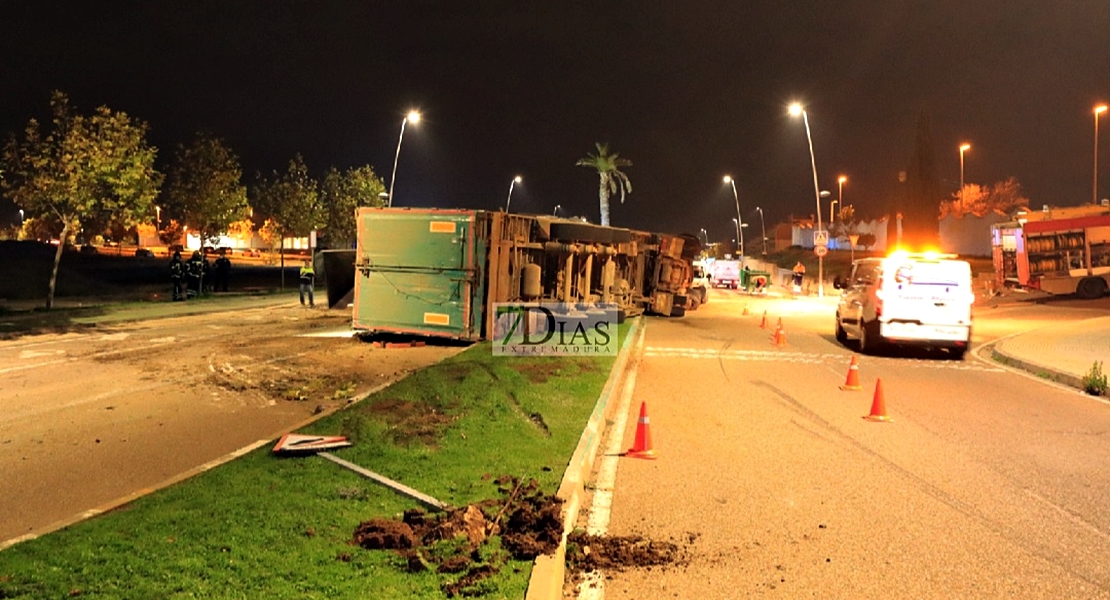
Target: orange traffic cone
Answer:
pixel 642 448
pixel 878 406
pixel 780 336
pixel 746 310
pixel 852 383
pixel 763 323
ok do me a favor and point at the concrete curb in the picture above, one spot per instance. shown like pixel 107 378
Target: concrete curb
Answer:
pixel 1000 356
pixel 549 570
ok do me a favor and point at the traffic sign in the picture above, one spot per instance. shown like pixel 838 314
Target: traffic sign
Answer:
pixel 820 237
pixel 820 250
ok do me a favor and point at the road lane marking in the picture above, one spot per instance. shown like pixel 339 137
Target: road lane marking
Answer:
pixel 809 358
pixel 601 504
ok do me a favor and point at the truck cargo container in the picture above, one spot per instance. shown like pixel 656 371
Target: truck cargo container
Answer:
pixel 438 272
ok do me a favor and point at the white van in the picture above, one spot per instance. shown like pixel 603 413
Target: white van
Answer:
pixel 907 300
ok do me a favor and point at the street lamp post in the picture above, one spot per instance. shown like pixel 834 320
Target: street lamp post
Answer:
pixel 795 110
pixel 414 118
pixel 705 234
pixel 21 217
pixel 963 148
pixel 1094 193
pixel 515 181
pixel 839 196
pixel 739 221
pixel 763 230
pixel 555 212
pixel 157 218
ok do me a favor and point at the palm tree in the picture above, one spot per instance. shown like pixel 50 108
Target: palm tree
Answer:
pixel 612 179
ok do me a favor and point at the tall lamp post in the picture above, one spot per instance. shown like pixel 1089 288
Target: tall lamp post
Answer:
pixel 157 218
pixel 795 110
pixel 555 212
pixel 963 148
pixel 705 234
pixel 1094 193
pixel 515 181
pixel 840 181
pixel 739 221
pixel 763 230
pixel 414 118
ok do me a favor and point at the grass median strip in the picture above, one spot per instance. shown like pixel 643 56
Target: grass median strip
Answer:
pixel 265 526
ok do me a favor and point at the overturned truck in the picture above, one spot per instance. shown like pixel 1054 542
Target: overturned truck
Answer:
pixel 434 272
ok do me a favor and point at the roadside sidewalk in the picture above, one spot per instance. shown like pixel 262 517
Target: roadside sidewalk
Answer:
pixel 1064 352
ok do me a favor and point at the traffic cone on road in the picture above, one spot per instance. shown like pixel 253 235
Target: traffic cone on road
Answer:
pixel 878 405
pixel 763 323
pixel 642 448
pixel 852 383
pixel 779 338
pixel 746 310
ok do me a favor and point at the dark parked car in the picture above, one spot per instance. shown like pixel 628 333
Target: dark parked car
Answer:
pixel 143 253
pixel 88 249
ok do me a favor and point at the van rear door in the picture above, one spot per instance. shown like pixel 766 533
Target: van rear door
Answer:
pixel 936 294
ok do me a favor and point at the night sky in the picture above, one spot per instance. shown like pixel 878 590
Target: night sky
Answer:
pixel 688 91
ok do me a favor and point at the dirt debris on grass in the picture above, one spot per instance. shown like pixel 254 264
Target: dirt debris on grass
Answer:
pixel 528 523
pixel 456 544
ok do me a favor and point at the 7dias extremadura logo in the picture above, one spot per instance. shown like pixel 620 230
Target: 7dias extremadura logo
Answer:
pixel 558 329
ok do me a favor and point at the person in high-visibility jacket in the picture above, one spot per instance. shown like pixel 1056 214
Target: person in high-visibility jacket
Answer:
pixel 799 273
pixel 308 279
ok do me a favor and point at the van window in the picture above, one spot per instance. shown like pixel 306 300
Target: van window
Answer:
pixel 864 274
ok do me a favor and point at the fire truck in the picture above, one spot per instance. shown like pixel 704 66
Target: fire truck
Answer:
pixel 1056 250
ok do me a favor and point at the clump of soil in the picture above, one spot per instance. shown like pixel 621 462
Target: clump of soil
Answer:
pixel 452 543
pixel 587 553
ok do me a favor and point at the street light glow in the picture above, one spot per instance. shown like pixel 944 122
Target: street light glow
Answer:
pixel 795 110
pixel 966 147
pixel 414 118
pixel 739 221
pixel 512 183
pixel 1100 109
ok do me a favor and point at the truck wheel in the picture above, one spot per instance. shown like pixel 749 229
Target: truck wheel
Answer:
pixel 869 338
pixel 957 353
pixel 1091 288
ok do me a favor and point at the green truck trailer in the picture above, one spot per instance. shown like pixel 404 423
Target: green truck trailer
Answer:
pixel 437 272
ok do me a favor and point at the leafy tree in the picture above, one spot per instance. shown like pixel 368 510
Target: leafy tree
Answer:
pixel 94 168
pixel 204 187
pixel 612 178
pixel 290 201
pixel 342 194
pixel 172 233
pixel 1003 197
pixel 867 240
pixel 919 205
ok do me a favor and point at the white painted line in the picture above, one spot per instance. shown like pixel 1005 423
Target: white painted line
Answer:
pixel 597 520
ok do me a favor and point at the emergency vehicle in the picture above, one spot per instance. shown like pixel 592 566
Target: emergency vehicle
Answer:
pixel 907 300
pixel 1059 251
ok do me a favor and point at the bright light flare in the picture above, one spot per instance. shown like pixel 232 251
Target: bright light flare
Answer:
pixel 413 117
pixel 1100 109
pixel 727 179
pixel 518 179
pixel 842 180
pixel 795 109
pixel 965 147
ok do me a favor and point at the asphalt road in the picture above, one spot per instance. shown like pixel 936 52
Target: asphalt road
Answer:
pixel 90 419
pixel 986 483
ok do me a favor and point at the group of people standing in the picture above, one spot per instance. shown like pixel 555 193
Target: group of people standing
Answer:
pixel 197 276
